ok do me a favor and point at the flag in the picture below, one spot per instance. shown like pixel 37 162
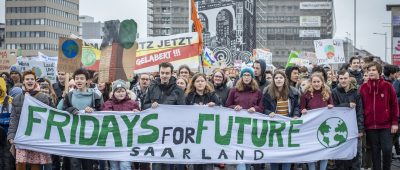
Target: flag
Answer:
pixel 292 55
pixel 198 27
pixel 208 58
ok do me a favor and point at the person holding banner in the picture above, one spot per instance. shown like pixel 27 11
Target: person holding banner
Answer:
pixel 200 92
pixel 82 98
pixel 317 95
pixel 282 99
pixel 347 95
pixel 164 90
pixel 120 101
pixel 381 112
pixel 245 95
pixel 24 157
pixel 219 81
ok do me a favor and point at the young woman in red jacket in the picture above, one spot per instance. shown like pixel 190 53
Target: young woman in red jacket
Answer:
pixel 317 95
pixel 245 95
pixel 120 101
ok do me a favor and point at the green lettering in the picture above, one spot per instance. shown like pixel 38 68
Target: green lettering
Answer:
pixel 105 130
pixel 74 127
pixel 130 125
pixel 32 119
pixel 278 132
pixel 242 121
pixel 145 125
pixel 223 139
pixel 59 125
pixel 95 134
pixel 259 141
pixel 292 130
pixel 200 127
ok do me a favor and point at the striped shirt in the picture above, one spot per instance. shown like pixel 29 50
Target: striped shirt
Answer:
pixel 282 107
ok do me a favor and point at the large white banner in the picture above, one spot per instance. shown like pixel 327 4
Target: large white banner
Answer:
pixel 329 51
pixel 188 134
pixel 315 5
pixel 43 67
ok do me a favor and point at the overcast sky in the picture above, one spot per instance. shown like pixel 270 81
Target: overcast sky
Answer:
pixel 371 17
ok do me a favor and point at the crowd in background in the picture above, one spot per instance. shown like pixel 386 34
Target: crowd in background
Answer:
pixel 366 84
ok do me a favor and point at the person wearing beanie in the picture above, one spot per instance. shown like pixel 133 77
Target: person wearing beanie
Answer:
pixel 120 101
pixel 245 95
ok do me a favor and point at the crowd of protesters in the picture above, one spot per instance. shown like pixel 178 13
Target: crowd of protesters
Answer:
pixel 369 86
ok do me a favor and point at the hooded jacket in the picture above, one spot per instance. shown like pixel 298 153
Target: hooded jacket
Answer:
pixel 381 109
pixel 341 98
pixel 90 96
pixel 263 82
pixel 294 108
pixel 126 104
pixel 358 74
pixel 169 94
pixel 17 109
pixel 193 98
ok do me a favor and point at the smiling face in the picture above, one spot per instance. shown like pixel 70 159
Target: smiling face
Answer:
pixel 316 83
pixel 218 78
pixel 29 82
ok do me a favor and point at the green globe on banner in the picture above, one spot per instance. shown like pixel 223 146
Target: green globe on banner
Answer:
pixel 330 51
pixel 88 57
pixel 70 49
pixel 332 132
pixel 37 71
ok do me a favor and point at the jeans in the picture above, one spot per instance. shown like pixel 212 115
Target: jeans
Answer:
pixel 322 165
pixel 285 166
pixel 120 165
pixel 381 146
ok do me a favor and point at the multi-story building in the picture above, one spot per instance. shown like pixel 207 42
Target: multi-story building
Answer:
pixel 2 36
pixel 33 26
pixel 88 29
pixel 285 25
pixel 167 17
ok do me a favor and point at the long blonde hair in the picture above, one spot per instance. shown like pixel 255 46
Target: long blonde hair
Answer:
pixel 240 85
pixel 325 90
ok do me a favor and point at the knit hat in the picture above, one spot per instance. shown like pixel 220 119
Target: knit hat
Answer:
pixel 15 91
pixel 247 70
pixel 119 84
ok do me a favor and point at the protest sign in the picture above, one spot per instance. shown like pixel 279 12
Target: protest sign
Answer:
pixel 189 135
pixel 7 59
pixel 69 54
pixel 177 49
pixel 42 68
pixel 91 58
pixel 263 54
pixel 329 51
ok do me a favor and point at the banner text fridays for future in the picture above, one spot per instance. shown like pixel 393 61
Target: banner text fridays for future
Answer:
pixel 188 134
pixel 177 49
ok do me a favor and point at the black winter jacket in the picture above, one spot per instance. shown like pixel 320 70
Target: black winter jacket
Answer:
pixel 341 98
pixel 222 92
pixel 193 98
pixel 294 107
pixel 358 74
pixel 169 94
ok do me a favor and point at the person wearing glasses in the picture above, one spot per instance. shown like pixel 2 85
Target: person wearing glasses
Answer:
pixel 140 89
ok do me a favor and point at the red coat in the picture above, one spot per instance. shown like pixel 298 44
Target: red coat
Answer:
pixel 381 109
pixel 246 99
pixel 124 105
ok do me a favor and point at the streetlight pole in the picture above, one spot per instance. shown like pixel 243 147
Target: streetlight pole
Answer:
pixel 355 25
pixel 385 34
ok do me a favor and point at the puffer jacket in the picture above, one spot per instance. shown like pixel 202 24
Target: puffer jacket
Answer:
pixel 169 94
pixel 193 98
pixel 222 92
pixel 294 108
pixel 341 98
pixel 381 109
pixel 16 110
pixel 126 104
